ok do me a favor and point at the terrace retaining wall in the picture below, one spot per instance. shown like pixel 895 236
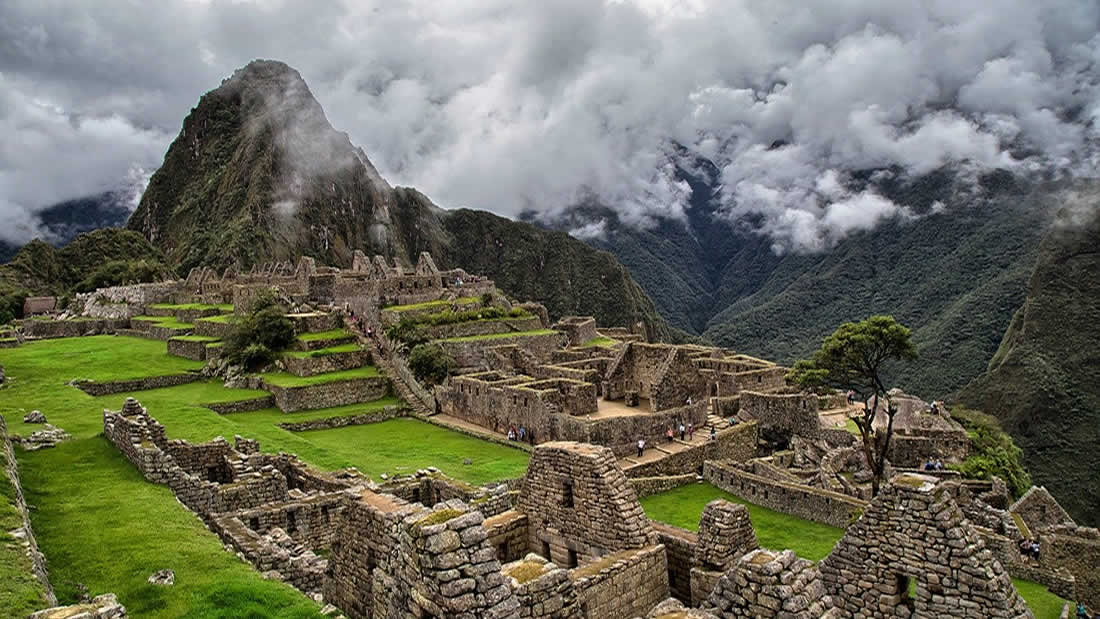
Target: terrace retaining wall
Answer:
pixel 815 504
pixel 472 353
pixel 242 406
pixel 37 559
pixel 188 349
pixel 387 413
pixel 628 587
pixel 94 388
pixel 49 329
pixel 645 486
pixel 326 395
pixel 322 364
pixel 737 443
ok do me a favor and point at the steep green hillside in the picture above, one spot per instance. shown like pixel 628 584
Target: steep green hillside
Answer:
pixel 1044 380
pixel 258 174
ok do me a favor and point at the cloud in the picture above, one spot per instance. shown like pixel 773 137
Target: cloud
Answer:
pixel 516 107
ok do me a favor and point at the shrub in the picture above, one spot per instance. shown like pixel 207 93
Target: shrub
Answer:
pixel 430 363
pixel 992 452
pixel 486 299
pixel 254 340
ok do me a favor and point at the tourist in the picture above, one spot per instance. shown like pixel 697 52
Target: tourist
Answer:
pixel 713 432
pixel 668 434
pixel 641 446
pixel 683 431
pixel 851 396
pixel 522 433
pixel 511 434
pixel 1082 612
pixel 1035 549
pixel 691 431
pixel 939 465
pixel 689 401
pixel 929 465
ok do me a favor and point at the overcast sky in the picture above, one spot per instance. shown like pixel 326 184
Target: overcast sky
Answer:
pixel 508 106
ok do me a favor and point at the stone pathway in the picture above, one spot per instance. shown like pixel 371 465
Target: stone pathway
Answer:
pixel 380 355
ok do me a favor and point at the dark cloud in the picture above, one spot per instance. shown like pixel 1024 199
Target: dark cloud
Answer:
pixel 514 106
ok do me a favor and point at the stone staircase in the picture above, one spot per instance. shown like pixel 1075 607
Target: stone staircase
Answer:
pixel 719 423
pixel 382 357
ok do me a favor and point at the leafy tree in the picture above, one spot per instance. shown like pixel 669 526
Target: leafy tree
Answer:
pixel 430 363
pixel 254 341
pixel 852 359
pixel 119 272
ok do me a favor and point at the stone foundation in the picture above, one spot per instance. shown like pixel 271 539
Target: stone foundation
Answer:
pixel 325 395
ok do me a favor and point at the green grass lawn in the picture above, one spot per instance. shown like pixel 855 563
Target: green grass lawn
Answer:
pixel 334 334
pixel 165 321
pixel 222 319
pixel 20 592
pixel 1043 603
pixel 405 445
pixel 196 338
pixel 431 304
pixel 605 342
pixel 682 507
pixel 321 352
pixel 498 336
pixel 286 379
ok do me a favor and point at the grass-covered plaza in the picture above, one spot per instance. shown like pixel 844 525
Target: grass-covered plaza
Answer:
pixel 103 527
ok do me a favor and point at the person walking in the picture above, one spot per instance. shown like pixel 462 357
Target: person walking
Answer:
pixel 641 446
pixel 683 431
pixel 713 433
pixel 691 431
pixel 669 434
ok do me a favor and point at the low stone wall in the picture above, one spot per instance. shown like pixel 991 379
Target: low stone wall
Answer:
pixel 138 384
pixel 242 406
pixel 325 395
pixel 508 534
pixel 1077 550
pixel 680 545
pixel 626 584
pixel 645 486
pixel 299 567
pixel 472 353
pixel 211 328
pixel 315 322
pixel 321 364
pixel 188 349
pixel 621 434
pixel 10 469
pixel 481 327
pixel 387 413
pixel 914 451
pixel 824 506
pixel 737 443
pixel 49 329
pixel 783 415
pixel 158 332
pixel 1005 550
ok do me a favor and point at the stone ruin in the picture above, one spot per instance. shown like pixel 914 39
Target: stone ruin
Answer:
pixel 764 583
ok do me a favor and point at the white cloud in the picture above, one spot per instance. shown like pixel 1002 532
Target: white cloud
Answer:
pixel 531 106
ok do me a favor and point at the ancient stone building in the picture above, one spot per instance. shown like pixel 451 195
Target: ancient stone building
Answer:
pixel 913 532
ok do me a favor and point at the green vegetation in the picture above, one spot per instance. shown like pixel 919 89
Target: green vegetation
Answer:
pixel 285 379
pixel 223 319
pixel 221 307
pixel 992 452
pixel 432 304
pixel 195 338
pixel 1043 603
pixel 499 336
pixel 683 506
pixel 439 517
pixel 253 341
pixel 169 322
pixel 605 342
pixel 334 334
pixel 321 352
pixel 430 363
pixel 410 331
pixel 20 592
pixel 121 272
pixel 853 359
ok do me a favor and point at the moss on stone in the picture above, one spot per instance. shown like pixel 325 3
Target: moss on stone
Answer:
pixel 439 517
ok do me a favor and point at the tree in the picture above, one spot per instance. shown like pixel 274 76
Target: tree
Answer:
pixel 254 341
pixel 430 363
pixel 852 359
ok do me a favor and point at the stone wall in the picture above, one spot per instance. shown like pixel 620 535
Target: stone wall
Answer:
pixel 474 353
pixel 914 532
pixel 242 406
pixel 548 593
pixel 645 486
pixel 621 434
pixel 188 349
pixel 914 451
pixel 809 503
pixel 93 388
pixel 737 444
pixel 507 533
pixel 579 329
pixel 275 551
pixel 580 505
pixel 481 327
pixel 325 395
pixel 766 583
pixel 9 468
pixel 213 328
pixel 782 416
pixel 123 301
pixel 76 327
pixel 1039 510
pixel 321 364
pixel 328 423
pixel 625 584
pixel 680 545
pixel 1077 550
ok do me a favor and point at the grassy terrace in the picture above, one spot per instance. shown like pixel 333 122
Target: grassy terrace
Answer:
pixel 499 336
pixel 221 307
pixel 334 334
pixel 605 342
pixel 222 319
pixel 165 321
pixel 195 338
pixel 91 503
pixel 285 379
pixel 321 352
pixel 20 592
pixel 431 304
pixel 683 506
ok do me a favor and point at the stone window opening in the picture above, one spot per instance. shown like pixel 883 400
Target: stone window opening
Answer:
pixel 572 558
pixel 291 522
pixel 502 552
pixel 546 551
pixel 212 473
pixel 906 591
pixel 325 514
pixel 567 494
pixel 254 523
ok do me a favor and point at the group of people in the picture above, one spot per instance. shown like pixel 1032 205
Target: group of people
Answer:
pixel 1083 613
pixel 1030 548
pixel 522 435
pixel 687 431
pixel 934 465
